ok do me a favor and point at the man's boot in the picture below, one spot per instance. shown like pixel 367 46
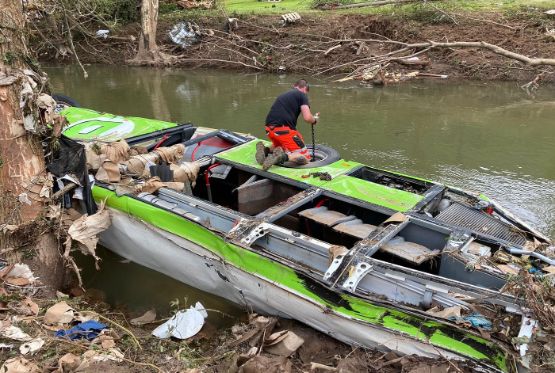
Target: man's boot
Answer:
pixel 277 157
pixel 261 152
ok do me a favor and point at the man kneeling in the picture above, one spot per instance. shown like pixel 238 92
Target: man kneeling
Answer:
pixel 281 128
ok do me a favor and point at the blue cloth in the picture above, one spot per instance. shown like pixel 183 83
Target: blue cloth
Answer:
pixel 477 321
pixel 88 329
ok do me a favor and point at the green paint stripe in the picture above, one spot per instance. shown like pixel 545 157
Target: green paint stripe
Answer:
pixel 252 262
pixel 139 126
pixel 377 194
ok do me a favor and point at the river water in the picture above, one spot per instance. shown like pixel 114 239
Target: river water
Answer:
pixel 487 137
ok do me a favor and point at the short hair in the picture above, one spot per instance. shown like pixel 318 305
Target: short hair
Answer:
pixel 302 83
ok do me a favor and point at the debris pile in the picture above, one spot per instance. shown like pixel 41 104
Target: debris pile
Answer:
pixel 32 329
pixel 37 335
pixel 276 345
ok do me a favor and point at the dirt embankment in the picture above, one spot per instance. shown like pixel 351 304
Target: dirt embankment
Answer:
pixel 356 45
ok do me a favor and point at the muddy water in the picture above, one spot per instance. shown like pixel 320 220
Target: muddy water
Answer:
pixel 489 137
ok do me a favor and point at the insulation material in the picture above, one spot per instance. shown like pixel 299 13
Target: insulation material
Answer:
pixel 27 307
pixel 140 164
pixel 410 251
pixel 106 158
pixel 98 153
pixel 94 157
pixel 91 357
pixel 46 105
pixel 325 216
pixel 117 151
pixel 185 172
pixel 153 184
pixel 87 228
pixel 108 172
pixel 171 154
pixel 356 228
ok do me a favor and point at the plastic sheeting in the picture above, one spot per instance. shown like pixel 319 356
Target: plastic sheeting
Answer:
pixel 185 34
pixel 184 324
pixel 71 159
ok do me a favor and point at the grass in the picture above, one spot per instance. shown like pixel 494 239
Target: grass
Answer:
pixel 265 7
pixel 423 12
pixel 247 6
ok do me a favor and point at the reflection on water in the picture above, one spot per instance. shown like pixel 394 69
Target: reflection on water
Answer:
pixel 134 288
pixel 485 137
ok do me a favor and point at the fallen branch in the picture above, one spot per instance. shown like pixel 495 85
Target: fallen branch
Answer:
pixel 426 46
pixel 331 49
pixel 483 45
pixel 322 367
pixel 63 191
pixel 377 3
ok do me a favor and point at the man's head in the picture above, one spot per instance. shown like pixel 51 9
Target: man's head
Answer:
pixel 302 85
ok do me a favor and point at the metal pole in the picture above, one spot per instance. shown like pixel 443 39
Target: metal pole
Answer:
pixel 313 144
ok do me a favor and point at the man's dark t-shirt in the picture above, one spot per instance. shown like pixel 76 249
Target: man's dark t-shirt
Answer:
pixel 286 109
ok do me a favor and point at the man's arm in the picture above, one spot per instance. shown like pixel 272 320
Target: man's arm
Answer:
pixel 307 115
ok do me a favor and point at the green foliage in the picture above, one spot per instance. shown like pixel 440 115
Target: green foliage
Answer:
pixel 532 15
pixel 28 254
pixel 168 6
pixel 424 14
pixel 118 10
pixel 9 58
pixel 176 305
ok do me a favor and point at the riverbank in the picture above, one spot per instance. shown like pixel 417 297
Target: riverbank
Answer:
pixel 377 48
pixel 119 341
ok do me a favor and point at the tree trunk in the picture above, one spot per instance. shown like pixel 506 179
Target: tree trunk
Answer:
pixel 149 22
pixel 22 161
pixel 21 155
pixel 148 52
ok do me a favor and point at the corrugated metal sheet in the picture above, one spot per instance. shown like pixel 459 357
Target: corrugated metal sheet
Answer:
pixel 467 217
